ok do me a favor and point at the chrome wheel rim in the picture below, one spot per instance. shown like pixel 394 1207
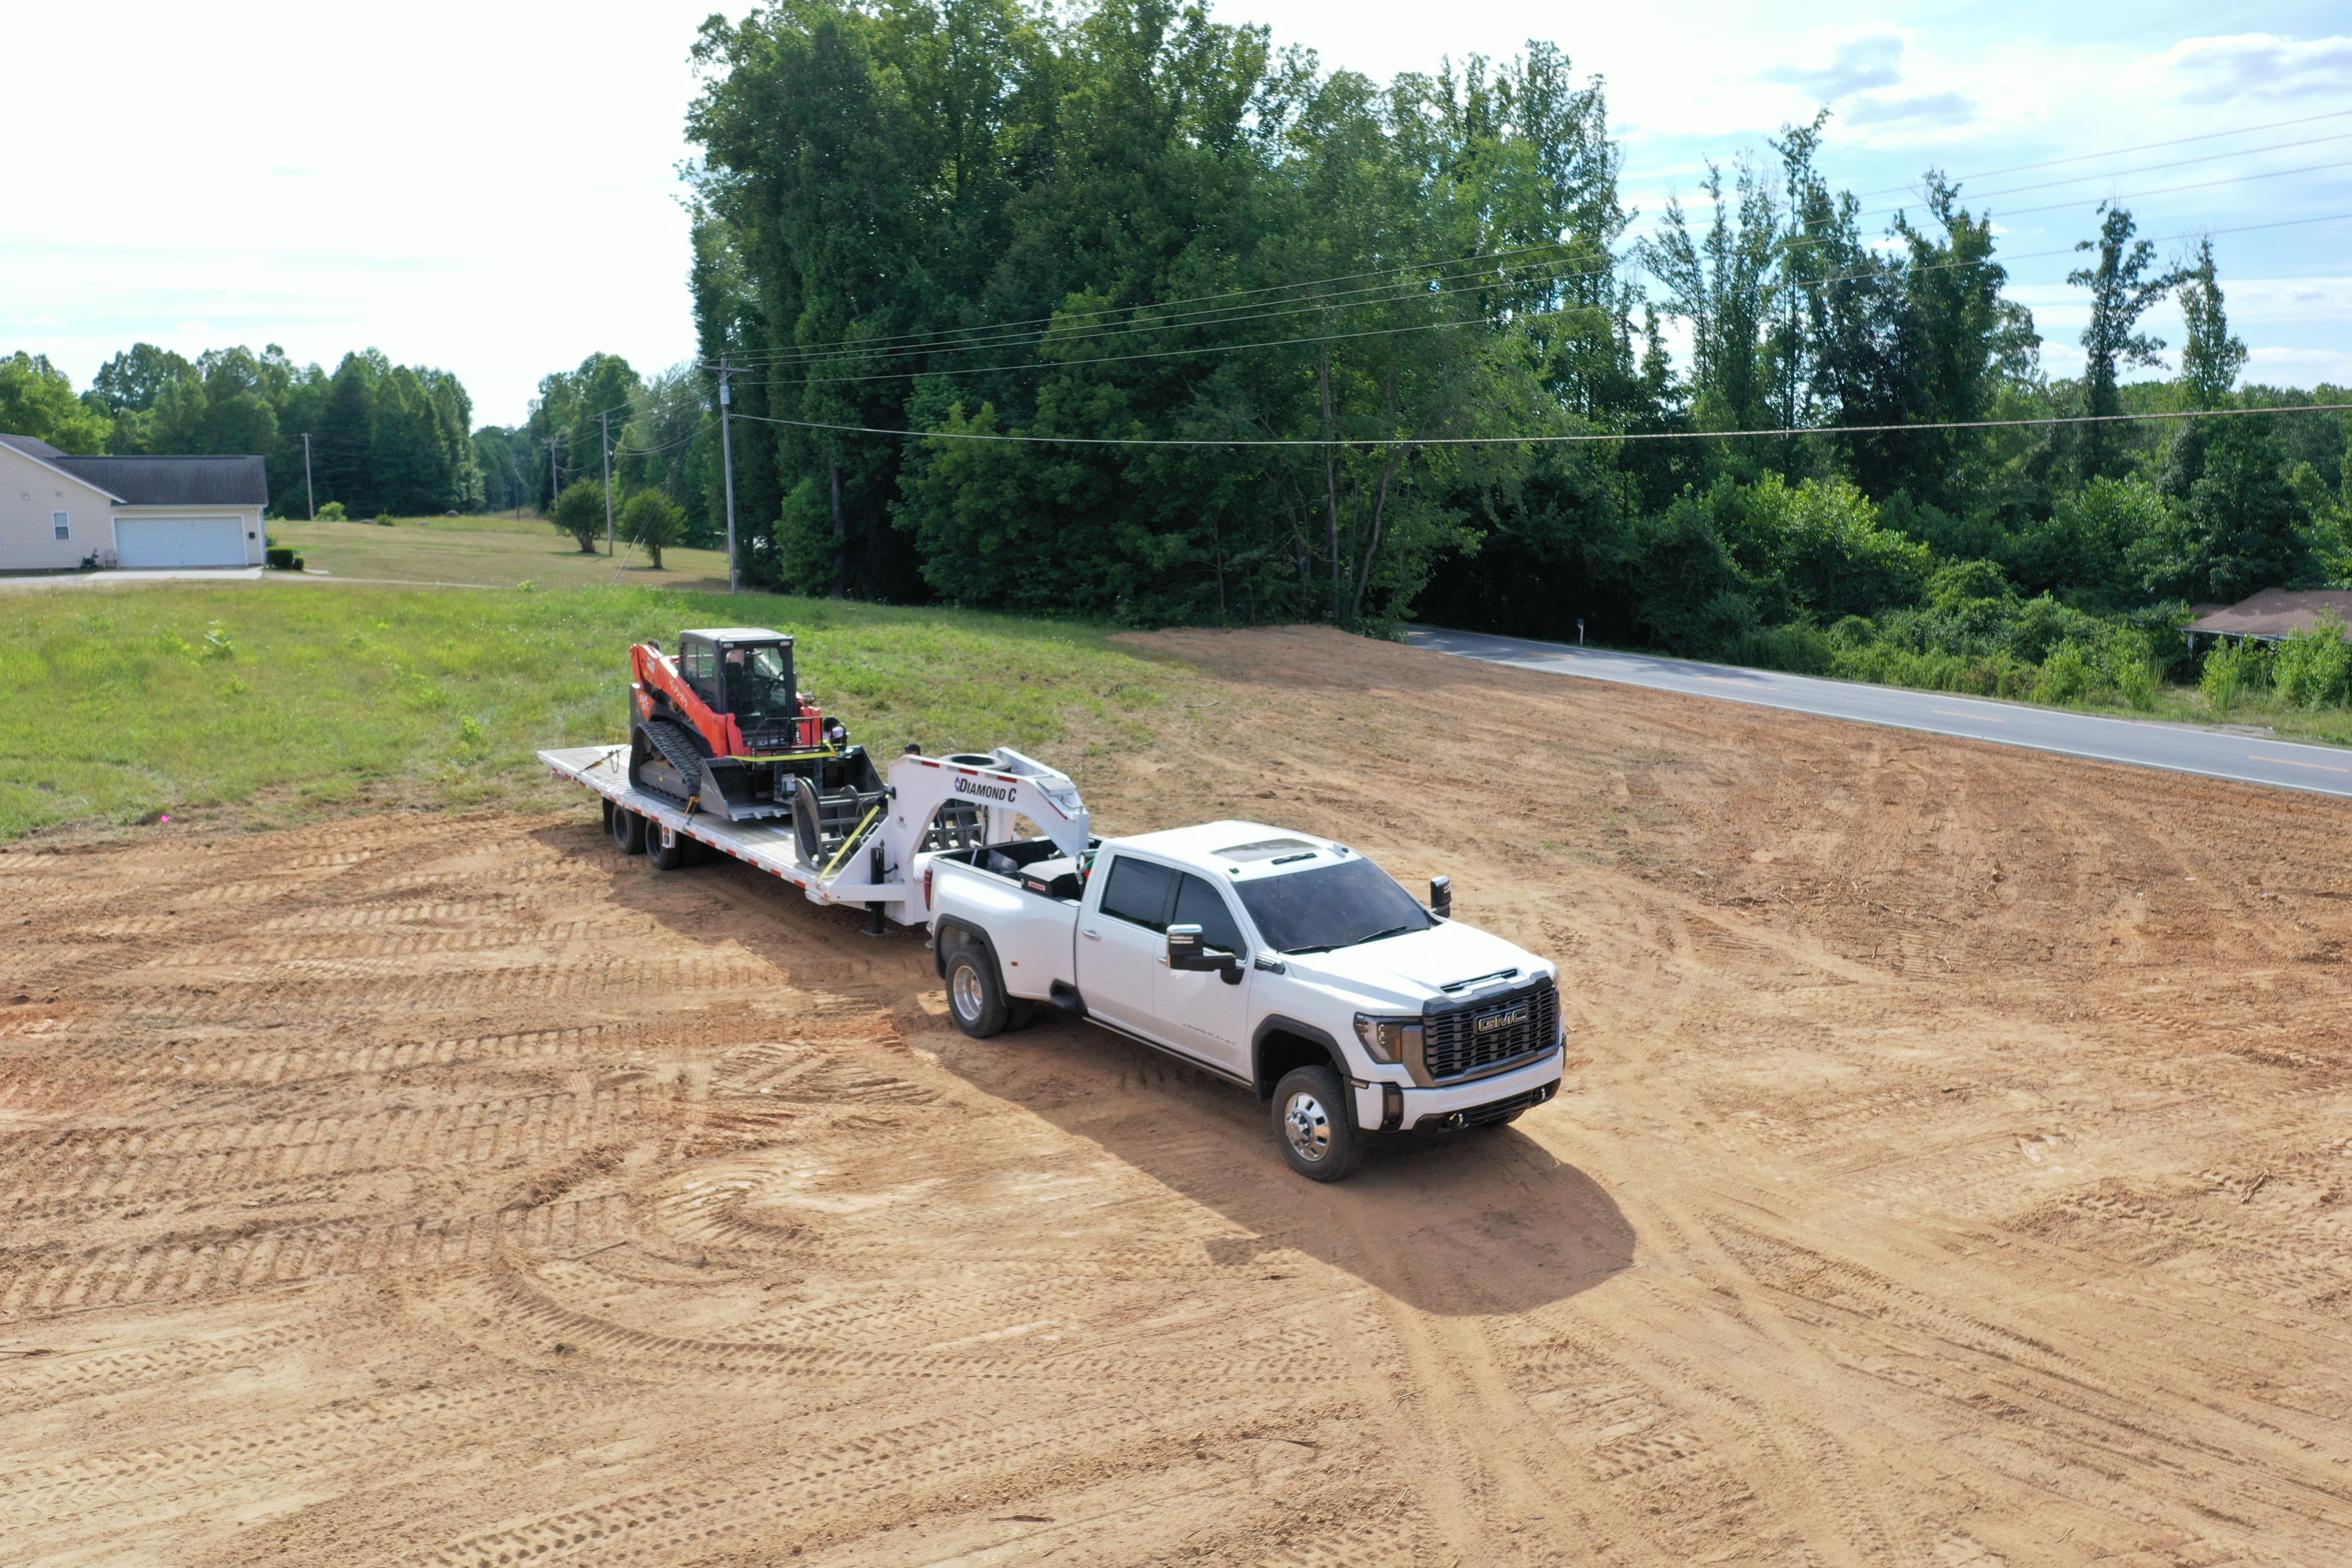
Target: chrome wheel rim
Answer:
pixel 1308 1126
pixel 963 988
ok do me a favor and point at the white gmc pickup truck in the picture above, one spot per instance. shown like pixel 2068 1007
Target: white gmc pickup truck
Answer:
pixel 1278 960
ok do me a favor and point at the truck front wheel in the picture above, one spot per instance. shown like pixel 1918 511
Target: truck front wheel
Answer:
pixel 1310 1117
pixel 975 997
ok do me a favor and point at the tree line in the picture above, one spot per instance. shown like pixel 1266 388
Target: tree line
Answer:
pixel 986 218
pixel 658 433
pixel 383 439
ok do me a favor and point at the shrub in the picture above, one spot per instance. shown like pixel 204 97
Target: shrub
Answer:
pixel 383 519
pixel 281 557
pixel 653 522
pixel 2313 669
pixel 2231 671
pixel 2065 675
pixel 334 512
pixel 580 513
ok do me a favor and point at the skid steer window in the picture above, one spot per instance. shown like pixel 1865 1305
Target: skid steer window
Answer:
pixel 760 683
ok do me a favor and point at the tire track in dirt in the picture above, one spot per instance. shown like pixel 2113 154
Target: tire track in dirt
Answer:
pixel 1952 1172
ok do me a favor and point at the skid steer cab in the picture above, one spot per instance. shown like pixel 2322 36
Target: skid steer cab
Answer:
pixel 724 728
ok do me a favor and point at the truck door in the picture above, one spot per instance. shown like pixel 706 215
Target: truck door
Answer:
pixel 1123 943
pixel 1202 1012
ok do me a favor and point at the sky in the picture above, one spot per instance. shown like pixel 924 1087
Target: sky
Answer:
pixel 493 189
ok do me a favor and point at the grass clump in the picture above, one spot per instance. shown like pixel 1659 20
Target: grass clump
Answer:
pixel 320 697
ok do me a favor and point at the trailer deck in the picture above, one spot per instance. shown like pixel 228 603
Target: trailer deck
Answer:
pixel 959 801
pixel 768 845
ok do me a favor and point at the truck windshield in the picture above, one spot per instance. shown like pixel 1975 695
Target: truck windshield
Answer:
pixel 1324 907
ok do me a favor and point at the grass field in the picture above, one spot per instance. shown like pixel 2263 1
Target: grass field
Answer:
pixel 285 699
pixel 490 551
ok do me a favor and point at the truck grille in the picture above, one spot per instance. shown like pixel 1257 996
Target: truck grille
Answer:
pixel 1458 1043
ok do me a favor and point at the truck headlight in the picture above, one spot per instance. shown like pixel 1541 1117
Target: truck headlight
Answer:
pixel 1387 1039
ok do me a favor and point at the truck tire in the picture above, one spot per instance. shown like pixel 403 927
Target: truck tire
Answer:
pixel 628 830
pixel 975 995
pixel 1315 1125
pixel 667 848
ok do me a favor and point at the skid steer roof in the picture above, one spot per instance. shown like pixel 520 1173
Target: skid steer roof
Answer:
pixel 736 634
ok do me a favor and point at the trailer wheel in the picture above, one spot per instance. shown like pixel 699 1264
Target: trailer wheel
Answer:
pixel 628 830
pixel 975 998
pixel 1312 1118
pixel 667 848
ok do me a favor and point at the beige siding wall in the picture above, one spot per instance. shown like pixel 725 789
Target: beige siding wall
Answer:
pixel 30 493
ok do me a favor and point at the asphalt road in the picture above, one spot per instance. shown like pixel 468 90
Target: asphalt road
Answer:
pixel 2245 756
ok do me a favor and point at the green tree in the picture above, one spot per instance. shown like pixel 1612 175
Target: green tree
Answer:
pixel 2123 286
pixel 653 522
pixel 580 513
pixel 2086 550
pixel 2212 359
pixel 36 399
pixel 2242 526
pixel 1723 284
pixel 221 407
pixel 127 385
pixel 344 453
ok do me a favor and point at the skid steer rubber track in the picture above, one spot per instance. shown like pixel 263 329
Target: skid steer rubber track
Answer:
pixel 678 751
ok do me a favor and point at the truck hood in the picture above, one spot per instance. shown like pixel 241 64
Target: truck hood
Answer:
pixel 1412 971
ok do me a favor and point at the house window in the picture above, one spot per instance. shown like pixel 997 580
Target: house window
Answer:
pixel 63 524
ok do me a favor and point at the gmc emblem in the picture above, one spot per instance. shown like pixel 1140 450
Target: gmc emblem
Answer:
pixel 1493 1021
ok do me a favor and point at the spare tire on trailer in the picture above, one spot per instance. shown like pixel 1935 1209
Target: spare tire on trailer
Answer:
pixel 808 832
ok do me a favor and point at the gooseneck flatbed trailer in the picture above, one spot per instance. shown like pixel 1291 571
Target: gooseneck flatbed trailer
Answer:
pixel 930 805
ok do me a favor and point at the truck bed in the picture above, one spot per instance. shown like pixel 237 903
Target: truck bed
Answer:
pixel 769 846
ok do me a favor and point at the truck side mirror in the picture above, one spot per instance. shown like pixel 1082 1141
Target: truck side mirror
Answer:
pixel 1187 951
pixel 1441 897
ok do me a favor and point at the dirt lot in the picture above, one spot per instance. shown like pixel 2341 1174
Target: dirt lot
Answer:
pixel 1953 1171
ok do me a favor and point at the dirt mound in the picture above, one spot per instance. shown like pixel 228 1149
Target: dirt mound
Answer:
pixel 1952 1172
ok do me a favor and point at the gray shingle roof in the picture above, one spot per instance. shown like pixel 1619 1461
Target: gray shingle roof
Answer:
pixel 160 481
pixel 2273 613
pixel 175 481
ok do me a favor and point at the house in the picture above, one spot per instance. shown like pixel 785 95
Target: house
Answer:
pixel 57 511
pixel 2268 615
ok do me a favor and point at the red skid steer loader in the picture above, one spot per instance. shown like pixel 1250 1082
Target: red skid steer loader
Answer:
pixel 723 727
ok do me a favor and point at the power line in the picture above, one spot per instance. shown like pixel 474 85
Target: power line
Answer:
pixel 2123 152
pixel 1039 327
pixel 2152 168
pixel 1781 433
pixel 924 341
pixel 1207 348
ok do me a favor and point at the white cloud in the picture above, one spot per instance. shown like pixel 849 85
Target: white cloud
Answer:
pixel 2257 65
pixel 1854 66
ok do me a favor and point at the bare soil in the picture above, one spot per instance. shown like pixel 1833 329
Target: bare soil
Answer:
pixel 1953 1171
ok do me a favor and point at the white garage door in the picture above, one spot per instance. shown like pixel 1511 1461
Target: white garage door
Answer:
pixel 179 542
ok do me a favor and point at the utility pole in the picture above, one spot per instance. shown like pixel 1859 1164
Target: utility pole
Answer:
pixel 840 537
pixel 727 462
pixel 605 419
pixel 309 493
